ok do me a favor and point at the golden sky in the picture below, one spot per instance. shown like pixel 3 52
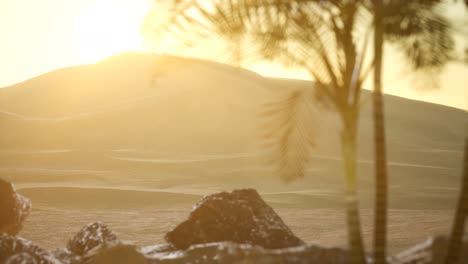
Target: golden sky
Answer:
pixel 40 36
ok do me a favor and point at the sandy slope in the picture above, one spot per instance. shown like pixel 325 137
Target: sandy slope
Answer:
pixel 136 139
pixel 137 119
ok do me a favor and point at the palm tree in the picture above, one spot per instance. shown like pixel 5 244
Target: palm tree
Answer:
pixel 456 236
pixel 461 214
pixel 424 35
pixel 305 33
pixel 310 28
pixel 381 188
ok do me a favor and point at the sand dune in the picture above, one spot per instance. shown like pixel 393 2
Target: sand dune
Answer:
pixel 77 195
pixel 190 159
pixel 106 198
pixel 137 139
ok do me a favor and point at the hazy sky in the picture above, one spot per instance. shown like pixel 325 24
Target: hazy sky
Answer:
pixel 40 36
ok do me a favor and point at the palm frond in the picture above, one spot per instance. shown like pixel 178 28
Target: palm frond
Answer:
pixel 303 33
pixel 289 131
pixel 421 32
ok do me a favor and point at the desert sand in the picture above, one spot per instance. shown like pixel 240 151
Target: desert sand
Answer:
pixel 52 227
pixel 136 140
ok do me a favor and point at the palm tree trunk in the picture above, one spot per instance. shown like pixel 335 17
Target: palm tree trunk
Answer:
pixel 349 152
pixel 380 210
pixel 456 238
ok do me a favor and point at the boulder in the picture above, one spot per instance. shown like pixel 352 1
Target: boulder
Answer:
pixel 21 258
pixel 31 258
pixel 95 243
pixel 91 236
pixel 112 252
pixel 240 216
pixel 116 253
pixel 66 256
pixel 14 208
pixel 15 249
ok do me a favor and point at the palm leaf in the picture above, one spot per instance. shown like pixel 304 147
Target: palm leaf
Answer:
pixel 289 131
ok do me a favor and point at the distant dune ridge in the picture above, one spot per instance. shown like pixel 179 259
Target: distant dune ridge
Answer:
pixel 160 122
pixel 136 139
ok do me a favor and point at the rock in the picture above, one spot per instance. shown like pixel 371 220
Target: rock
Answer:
pixel 95 243
pixel 228 252
pixel 14 208
pixel 21 258
pixel 240 216
pixel 117 253
pixel 157 249
pixel 432 251
pixel 93 235
pixel 16 249
pixel 66 256
pixel 31 258
pixel 112 252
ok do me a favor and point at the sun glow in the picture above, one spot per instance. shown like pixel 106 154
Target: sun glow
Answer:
pixel 106 27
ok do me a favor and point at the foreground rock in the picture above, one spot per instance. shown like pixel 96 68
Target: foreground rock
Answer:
pixel 96 243
pixel 91 236
pixel 228 252
pixel 119 253
pixel 432 251
pixel 15 249
pixel 237 227
pixel 14 208
pixel 240 216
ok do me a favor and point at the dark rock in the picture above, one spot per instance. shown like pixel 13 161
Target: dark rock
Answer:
pixel 31 258
pixel 228 252
pixel 91 236
pixel 115 254
pixel 112 252
pixel 21 258
pixel 14 208
pixel 66 256
pixel 97 244
pixel 432 251
pixel 13 249
pixel 240 216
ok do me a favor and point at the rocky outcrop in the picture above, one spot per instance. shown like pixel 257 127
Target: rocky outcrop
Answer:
pixel 240 216
pixel 30 258
pixel 112 253
pixel 15 249
pixel 228 252
pixel 118 253
pixel 92 236
pixel 14 208
pixel 66 257
pixel 95 243
pixel 228 228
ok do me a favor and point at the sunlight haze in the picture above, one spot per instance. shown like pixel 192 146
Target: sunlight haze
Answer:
pixel 230 131
pixel 106 27
pixel 40 36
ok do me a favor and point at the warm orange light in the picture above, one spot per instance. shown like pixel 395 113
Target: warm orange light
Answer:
pixel 106 27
